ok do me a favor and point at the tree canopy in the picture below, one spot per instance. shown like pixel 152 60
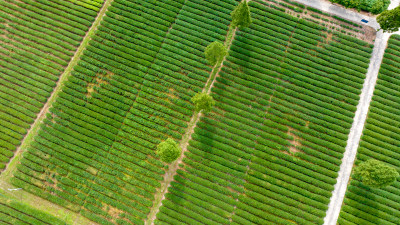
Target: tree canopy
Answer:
pixel 241 15
pixel 215 52
pixel 373 6
pixel 203 101
pixel 168 150
pixel 389 20
pixel 375 173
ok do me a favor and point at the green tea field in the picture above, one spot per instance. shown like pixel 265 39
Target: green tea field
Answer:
pixel 269 152
pixel 90 91
pixel 38 38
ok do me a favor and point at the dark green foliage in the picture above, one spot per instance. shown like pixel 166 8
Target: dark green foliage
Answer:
pixel 203 101
pixel 375 174
pixel 215 52
pixel 389 20
pixel 168 150
pixel 241 15
pixel 373 6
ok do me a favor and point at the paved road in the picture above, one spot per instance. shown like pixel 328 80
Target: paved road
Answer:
pixel 394 4
pixel 353 141
pixel 340 11
pixel 356 130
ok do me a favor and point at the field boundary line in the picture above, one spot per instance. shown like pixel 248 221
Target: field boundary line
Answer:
pixel 33 130
pixel 171 172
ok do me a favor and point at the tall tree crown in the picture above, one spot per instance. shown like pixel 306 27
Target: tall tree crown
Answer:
pixel 375 173
pixel 241 15
pixel 389 20
pixel 215 52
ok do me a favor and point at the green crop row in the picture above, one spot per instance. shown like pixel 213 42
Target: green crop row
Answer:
pixel 40 38
pixel 130 90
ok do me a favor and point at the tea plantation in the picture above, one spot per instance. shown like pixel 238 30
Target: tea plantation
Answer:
pixel 268 152
pixel 131 89
pixel 380 140
pixel 37 40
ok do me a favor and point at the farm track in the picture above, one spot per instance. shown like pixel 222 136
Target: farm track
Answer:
pixel 32 132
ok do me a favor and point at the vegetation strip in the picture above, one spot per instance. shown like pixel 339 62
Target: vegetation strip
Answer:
pixel 14 212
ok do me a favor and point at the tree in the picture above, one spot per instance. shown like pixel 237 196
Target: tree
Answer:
pixel 215 52
pixel 241 15
pixel 168 150
pixel 375 173
pixel 203 101
pixel 389 20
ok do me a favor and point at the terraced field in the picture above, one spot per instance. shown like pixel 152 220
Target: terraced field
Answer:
pixel 14 212
pixel 270 150
pixel 380 140
pixel 37 40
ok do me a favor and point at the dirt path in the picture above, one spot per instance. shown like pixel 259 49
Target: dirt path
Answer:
pixel 171 172
pixel 32 132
